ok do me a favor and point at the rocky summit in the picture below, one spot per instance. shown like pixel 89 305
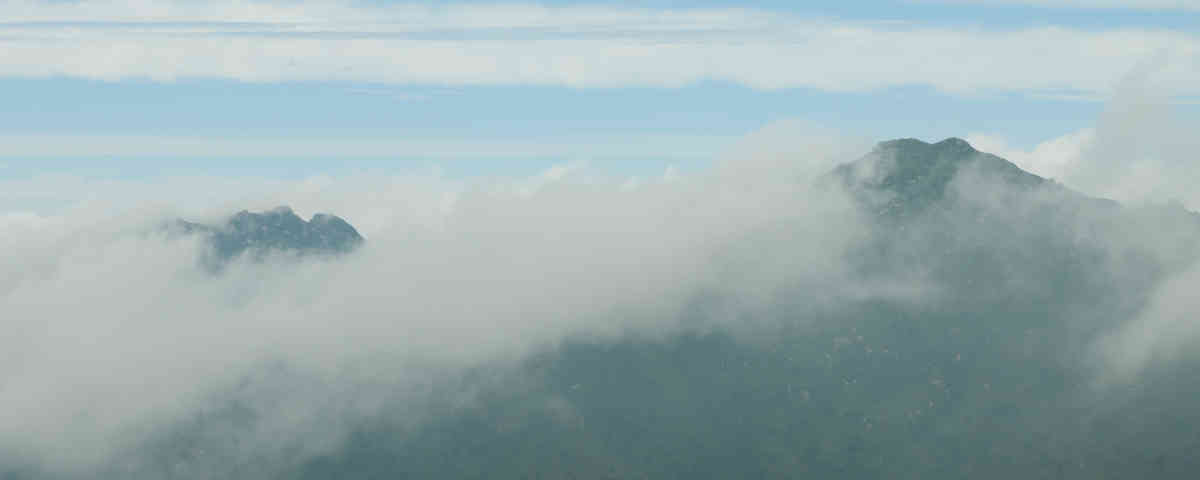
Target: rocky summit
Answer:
pixel 276 230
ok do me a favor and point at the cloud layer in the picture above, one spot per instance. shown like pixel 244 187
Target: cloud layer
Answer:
pixel 1094 4
pixel 565 46
pixel 115 333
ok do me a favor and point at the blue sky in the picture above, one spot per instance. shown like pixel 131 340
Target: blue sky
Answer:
pixel 291 89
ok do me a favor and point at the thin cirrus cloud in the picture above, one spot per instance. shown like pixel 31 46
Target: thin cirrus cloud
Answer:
pixel 1093 4
pixel 577 46
pixel 35 146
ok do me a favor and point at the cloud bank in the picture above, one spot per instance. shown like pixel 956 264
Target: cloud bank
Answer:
pixel 114 334
pixel 118 341
pixel 1139 150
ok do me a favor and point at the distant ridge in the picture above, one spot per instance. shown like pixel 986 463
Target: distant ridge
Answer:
pixel 278 229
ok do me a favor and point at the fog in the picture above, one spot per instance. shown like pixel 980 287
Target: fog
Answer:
pixel 1141 152
pixel 115 333
pixel 116 338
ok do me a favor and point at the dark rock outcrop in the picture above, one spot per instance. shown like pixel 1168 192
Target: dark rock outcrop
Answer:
pixel 276 230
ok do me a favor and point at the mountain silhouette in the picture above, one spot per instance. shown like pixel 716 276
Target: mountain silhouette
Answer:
pixel 275 230
pixel 991 373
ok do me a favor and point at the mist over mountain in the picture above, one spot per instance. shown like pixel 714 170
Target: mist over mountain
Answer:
pixel 999 372
pixel 904 177
pixel 924 311
pixel 278 230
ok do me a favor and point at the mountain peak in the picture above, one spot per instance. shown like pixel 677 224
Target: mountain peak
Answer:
pixel 911 174
pixel 277 229
pixel 954 142
pixel 948 145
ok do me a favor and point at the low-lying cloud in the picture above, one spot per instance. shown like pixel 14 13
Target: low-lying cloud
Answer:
pixel 1141 153
pixel 114 332
pixel 116 336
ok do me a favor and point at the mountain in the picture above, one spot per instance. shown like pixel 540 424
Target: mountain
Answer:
pixel 994 374
pixel 913 167
pixel 905 177
pixel 275 230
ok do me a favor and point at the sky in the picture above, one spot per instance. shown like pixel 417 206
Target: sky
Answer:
pixel 295 89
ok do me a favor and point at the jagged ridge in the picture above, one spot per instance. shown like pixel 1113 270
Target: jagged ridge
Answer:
pixel 279 229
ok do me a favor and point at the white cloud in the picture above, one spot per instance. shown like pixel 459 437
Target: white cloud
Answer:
pixel 565 46
pixel 1051 159
pixel 1142 154
pixel 1138 151
pixel 1164 330
pixel 111 333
